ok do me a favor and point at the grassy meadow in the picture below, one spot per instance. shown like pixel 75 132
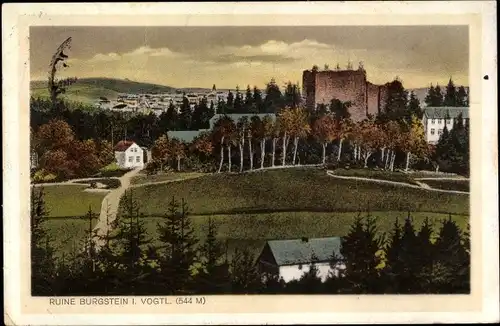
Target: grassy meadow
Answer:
pixel 460 185
pixel 71 200
pixel 143 178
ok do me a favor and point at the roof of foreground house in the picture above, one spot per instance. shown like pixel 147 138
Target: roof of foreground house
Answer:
pixel 446 112
pixel 123 145
pixel 302 251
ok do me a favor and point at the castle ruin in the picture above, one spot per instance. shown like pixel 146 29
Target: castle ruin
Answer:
pixel 320 87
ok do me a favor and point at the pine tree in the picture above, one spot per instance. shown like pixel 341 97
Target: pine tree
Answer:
pixel 229 103
pixel 424 258
pixel 310 282
pixel 185 115
pixel 201 115
pixel 360 253
pixel 438 96
pixel 177 235
pixel 450 97
pixel 258 106
pixel 397 103
pixel 245 277
pixel 462 97
pixel 339 109
pixel 273 99
pixel 249 101
pixel 42 261
pixel 393 263
pixel 414 106
pixel 452 256
pixel 429 98
pixel 238 102
pixel 213 277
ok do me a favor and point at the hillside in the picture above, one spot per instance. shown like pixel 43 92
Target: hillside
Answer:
pixel 88 90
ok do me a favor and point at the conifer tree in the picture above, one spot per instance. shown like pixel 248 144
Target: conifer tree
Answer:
pixel 430 97
pixel 462 97
pixel 414 106
pixel 213 276
pixel 177 235
pixel 438 96
pixel 257 101
pixel 185 115
pixel 249 101
pixel 360 253
pixel 230 103
pixel 450 97
pixel 42 261
pixel 245 277
pixel 238 102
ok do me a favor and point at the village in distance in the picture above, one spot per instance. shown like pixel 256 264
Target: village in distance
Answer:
pixel 334 185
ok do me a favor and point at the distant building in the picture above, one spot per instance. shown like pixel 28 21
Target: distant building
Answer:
pixel 290 259
pixel 235 117
pixel 435 118
pixel 129 155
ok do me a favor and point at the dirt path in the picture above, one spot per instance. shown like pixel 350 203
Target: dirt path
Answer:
pixel 109 207
pixel 403 184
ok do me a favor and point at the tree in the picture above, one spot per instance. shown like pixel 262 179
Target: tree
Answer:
pixel 169 120
pixel 430 97
pixel 325 131
pixel 230 102
pixel 185 116
pixel 213 275
pixel 273 97
pixel 242 127
pixel 177 150
pixel 161 150
pixel 285 121
pixel 223 128
pixel 370 139
pixel 450 97
pixel 396 106
pixel 414 140
pixel 276 131
pixel 359 249
pixel 438 96
pixel 343 131
pixel 245 277
pixel 201 115
pixel 339 109
pixel 414 106
pixel 202 144
pixel 57 134
pixel 42 261
pixel 249 100
pixel 299 128
pixel 58 87
pixel 292 96
pixel 105 153
pixel 238 102
pixel 177 235
pixel 462 97
pixel 257 101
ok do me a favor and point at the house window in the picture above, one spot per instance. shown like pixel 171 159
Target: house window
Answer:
pixel 440 131
pixel 433 121
pixel 137 159
pixel 433 131
pixel 300 266
pixel 130 159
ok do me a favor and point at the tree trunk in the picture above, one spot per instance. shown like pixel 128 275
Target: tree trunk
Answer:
pixel 392 160
pixel 437 168
pixel 355 152
pixel 221 154
pixel 368 154
pixel 262 152
pixel 229 158
pixel 240 145
pixel 295 145
pixel 323 161
pixel 407 161
pixel 283 154
pixel 274 151
pixel 251 154
pixel 178 163
pixel 340 150
pixel 386 166
pixel 382 155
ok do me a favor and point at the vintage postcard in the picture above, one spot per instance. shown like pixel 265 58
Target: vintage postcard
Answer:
pixel 270 163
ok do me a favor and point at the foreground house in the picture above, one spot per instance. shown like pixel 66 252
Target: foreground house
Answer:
pixel 129 155
pixel 290 259
pixel 435 118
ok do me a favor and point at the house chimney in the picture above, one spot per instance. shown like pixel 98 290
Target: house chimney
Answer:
pixel 305 239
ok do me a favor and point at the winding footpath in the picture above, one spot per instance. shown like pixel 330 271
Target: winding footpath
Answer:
pixel 420 185
pixel 109 208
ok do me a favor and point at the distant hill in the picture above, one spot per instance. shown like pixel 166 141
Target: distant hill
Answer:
pixel 89 90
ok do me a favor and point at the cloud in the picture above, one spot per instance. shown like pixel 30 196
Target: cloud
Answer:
pixel 140 52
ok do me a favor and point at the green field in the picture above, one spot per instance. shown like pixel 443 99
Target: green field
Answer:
pixel 460 185
pixel 67 234
pixel 143 178
pixel 87 94
pixel 71 200
pixel 293 190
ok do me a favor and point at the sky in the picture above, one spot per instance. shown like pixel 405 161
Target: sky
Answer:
pixel 240 56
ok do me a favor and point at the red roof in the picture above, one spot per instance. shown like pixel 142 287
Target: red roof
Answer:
pixel 123 145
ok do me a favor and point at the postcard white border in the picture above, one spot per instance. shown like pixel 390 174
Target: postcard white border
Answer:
pixel 367 309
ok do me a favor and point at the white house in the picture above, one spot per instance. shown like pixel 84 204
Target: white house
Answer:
pixel 436 118
pixel 129 155
pixel 291 259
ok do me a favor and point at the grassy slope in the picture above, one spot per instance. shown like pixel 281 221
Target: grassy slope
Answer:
pixel 88 90
pixel 293 190
pixel 143 178
pixel 374 174
pixel 460 185
pixel 67 234
pixel 71 200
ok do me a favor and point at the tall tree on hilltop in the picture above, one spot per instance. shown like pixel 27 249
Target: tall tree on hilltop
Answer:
pixel 185 116
pixel 249 100
pixel 177 235
pixel 414 106
pixel 450 97
pixel 462 97
pixel 258 106
pixel 397 102
pixel 273 97
pixel 238 102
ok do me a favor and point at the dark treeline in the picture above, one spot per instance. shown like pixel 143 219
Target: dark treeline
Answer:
pixel 452 96
pixel 408 260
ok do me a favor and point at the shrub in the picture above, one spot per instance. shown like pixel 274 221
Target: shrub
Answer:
pixel 44 176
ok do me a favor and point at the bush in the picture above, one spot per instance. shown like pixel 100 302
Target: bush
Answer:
pixel 44 176
pixel 110 183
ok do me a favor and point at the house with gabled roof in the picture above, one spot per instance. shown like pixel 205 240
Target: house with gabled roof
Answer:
pixel 291 259
pixel 436 118
pixel 129 155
